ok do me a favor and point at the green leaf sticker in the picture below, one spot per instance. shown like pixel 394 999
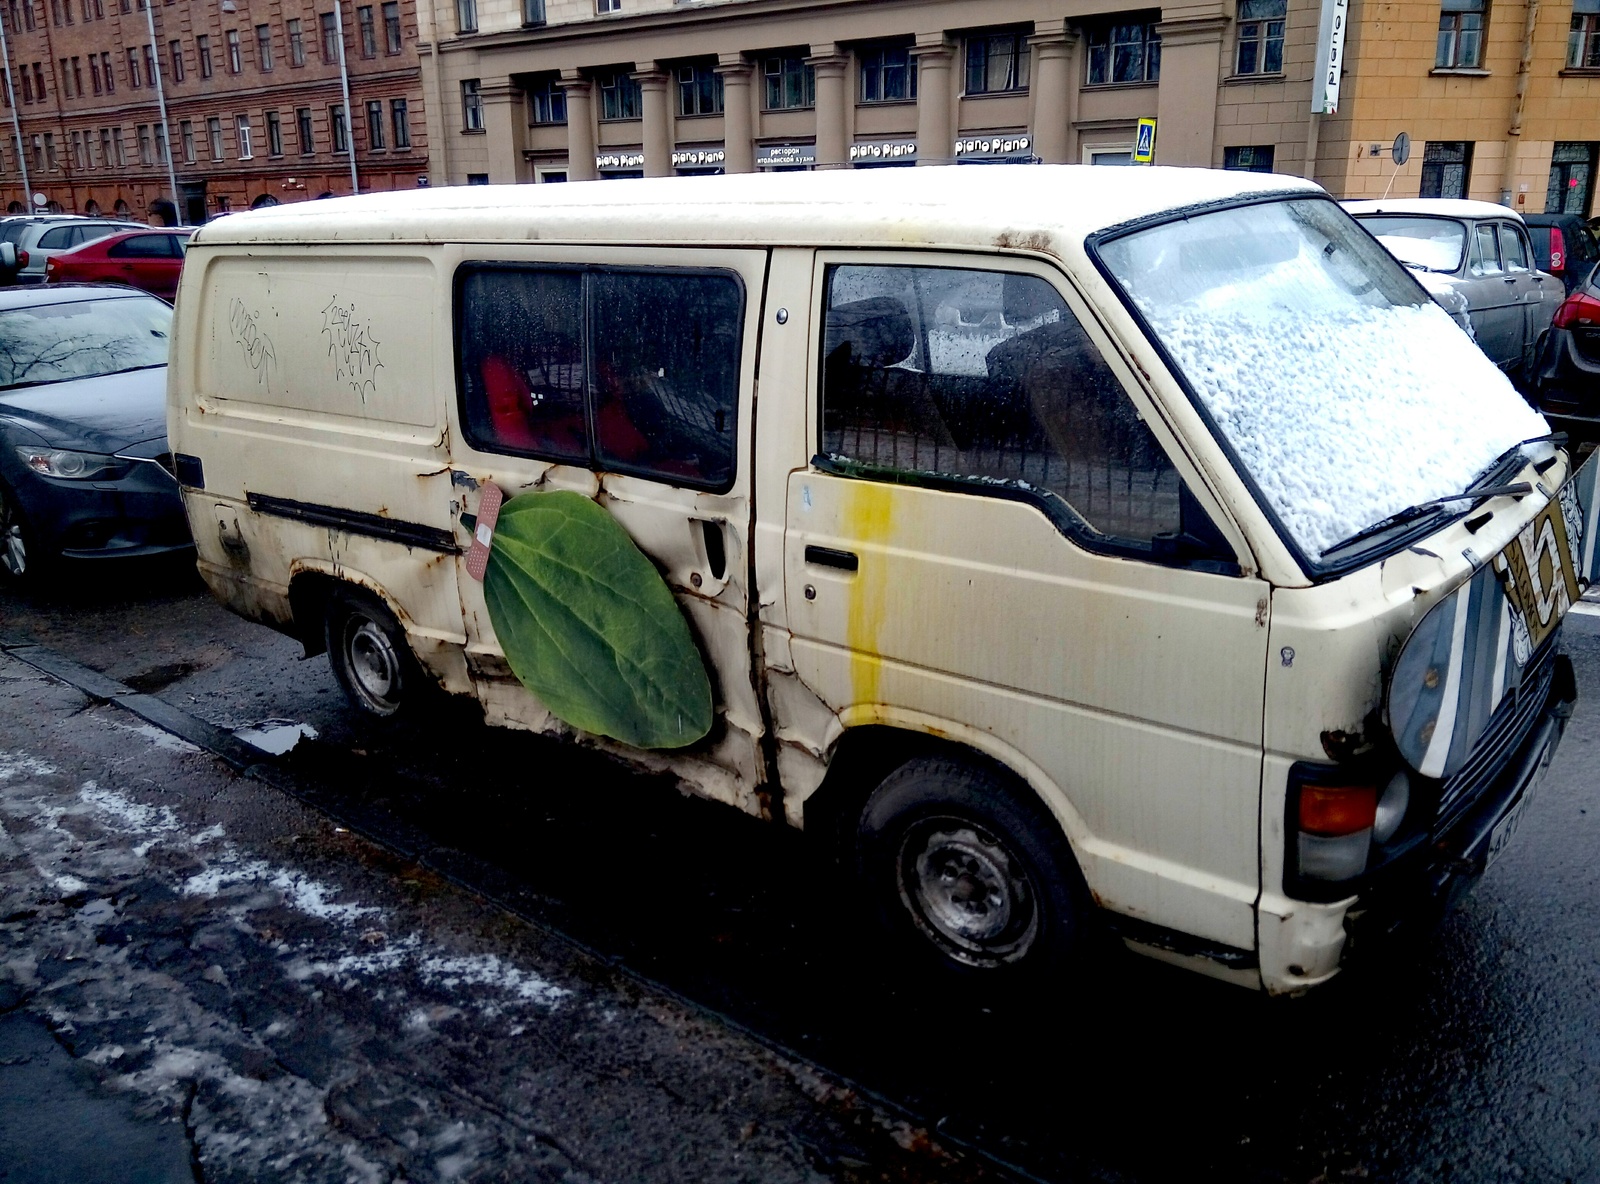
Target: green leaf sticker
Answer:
pixel 590 627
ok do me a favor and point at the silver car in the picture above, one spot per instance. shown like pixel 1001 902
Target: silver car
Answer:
pixel 40 237
pixel 1473 257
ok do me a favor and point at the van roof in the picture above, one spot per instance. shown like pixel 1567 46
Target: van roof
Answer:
pixel 1039 207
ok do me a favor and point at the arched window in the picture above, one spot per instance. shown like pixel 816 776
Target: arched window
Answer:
pixel 91 208
pixel 164 211
pixel 324 193
pixel 121 208
pixel 262 202
pixel 52 207
pixel 15 208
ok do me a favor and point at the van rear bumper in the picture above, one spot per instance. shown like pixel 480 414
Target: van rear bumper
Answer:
pixel 1419 895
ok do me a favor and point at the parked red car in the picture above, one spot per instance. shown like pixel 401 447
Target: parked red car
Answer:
pixel 148 259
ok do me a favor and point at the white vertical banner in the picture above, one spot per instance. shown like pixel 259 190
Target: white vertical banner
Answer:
pixel 1330 57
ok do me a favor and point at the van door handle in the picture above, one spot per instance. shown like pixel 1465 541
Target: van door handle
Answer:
pixel 829 557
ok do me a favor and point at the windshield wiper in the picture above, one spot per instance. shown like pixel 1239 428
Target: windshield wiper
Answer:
pixel 1423 509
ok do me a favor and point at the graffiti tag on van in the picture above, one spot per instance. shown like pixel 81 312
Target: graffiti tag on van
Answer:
pixel 257 346
pixel 352 347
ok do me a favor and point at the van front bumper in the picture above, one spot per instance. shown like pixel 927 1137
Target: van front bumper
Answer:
pixel 1416 895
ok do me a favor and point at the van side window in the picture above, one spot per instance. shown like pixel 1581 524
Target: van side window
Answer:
pixel 986 380
pixel 666 373
pixel 628 371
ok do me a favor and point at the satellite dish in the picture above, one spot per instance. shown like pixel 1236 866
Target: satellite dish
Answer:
pixel 1401 152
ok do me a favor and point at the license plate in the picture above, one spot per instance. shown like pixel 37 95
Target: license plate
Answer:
pixel 1538 573
pixel 1500 837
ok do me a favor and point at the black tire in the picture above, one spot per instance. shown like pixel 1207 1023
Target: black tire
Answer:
pixel 970 876
pixel 370 656
pixel 23 560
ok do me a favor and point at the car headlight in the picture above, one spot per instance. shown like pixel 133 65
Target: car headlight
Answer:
pixel 72 466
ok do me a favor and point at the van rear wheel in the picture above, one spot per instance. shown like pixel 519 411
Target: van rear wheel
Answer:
pixel 971 875
pixel 370 656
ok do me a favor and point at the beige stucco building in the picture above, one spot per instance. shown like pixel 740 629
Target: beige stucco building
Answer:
pixel 565 90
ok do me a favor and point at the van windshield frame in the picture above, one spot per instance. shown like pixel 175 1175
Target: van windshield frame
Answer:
pixel 1336 561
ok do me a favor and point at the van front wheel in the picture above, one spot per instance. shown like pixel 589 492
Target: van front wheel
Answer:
pixel 369 654
pixel 971 873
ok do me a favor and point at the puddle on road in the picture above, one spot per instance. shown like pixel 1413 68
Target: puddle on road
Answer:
pixel 276 736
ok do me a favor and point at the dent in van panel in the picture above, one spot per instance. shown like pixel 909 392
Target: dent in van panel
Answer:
pixel 335 336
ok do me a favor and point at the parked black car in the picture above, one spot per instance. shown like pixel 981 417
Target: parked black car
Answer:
pixel 1567 382
pixel 83 432
pixel 1564 246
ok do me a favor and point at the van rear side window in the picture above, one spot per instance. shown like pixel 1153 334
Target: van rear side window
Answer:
pixel 626 371
pixel 987 379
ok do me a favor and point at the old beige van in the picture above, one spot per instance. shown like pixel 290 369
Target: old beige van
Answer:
pixel 1075 548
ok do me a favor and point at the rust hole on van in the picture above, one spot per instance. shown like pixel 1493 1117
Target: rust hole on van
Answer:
pixel 1023 240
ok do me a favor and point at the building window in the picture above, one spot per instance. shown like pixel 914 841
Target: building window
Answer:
pixel 235 59
pixel 116 147
pixel 605 6
pixel 38 82
pixel 471 106
pixel 297 44
pixel 241 125
pixel 336 124
pixel 1572 169
pixel 302 123
pixel 1446 168
pixel 330 38
pixel 699 90
pixel 274 134
pixel 77 76
pixel 532 13
pixel 790 84
pixel 78 160
pixel 888 75
pixel 997 62
pixel 50 161
pixel 1260 46
pixel 1249 159
pixel 146 156
pixel 202 53
pixel 174 55
pixel 391 27
pixel 150 64
pixel 368 31
pixel 186 141
pixel 161 144
pixel 66 80
pixel 1583 42
pixel 375 125
pixel 547 103
pixel 466 16
pixel 94 77
pixel 214 135
pixel 133 69
pixel 1122 54
pixel 1460 35
pixel 401 118
pixel 619 96
pixel 264 48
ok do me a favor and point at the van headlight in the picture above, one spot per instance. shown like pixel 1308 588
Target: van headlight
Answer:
pixel 72 466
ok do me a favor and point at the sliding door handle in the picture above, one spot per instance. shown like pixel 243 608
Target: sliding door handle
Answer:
pixel 829 557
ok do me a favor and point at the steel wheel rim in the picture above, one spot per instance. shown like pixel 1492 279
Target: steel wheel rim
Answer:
pixel 13 548
pixel 374 665
pixel 967 892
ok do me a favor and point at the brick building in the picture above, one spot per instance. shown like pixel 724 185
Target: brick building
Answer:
pixel 542 90
pixel 253 95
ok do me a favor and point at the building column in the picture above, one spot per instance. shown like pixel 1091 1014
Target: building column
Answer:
pixel 505 124
pixel 654 86
pixel 935 95
pixel 1055 54
pixel 832 69
pixel 1186 107
pixel 580 126
pixel 738 138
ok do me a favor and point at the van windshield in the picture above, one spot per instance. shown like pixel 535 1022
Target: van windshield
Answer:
pixel 1345 394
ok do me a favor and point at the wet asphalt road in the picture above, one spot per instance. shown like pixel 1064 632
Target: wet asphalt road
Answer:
pixel 1475 1056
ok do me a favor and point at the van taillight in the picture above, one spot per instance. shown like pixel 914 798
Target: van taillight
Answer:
pixel 1558 251
pixel 1577 309
pixel 1334 810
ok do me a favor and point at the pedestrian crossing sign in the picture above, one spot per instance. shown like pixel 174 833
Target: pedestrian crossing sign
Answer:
pixel 1144 149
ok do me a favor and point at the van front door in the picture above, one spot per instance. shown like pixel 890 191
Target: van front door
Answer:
pixel 993 545
pixel 627 376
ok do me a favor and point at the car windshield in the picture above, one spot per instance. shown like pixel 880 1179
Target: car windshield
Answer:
pixel 82 339
pixel 1432 243
pixel 1345 393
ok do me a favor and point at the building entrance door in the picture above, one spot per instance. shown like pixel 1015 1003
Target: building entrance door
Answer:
pixel 194 202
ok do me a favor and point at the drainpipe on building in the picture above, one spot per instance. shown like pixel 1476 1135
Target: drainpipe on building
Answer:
pixel 344 83
pixel 1508 179
pixel 16 120
pixel 161 102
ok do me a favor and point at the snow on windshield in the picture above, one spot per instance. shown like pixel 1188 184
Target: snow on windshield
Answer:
pixel 1347 395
